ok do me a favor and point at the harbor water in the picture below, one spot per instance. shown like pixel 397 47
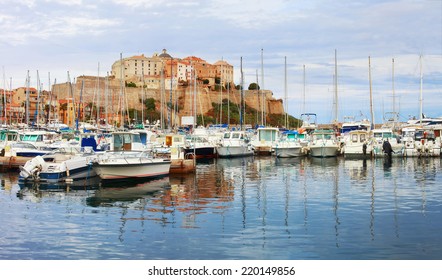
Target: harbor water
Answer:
pixel 245 208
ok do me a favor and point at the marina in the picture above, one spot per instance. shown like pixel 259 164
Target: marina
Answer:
pixel 255 207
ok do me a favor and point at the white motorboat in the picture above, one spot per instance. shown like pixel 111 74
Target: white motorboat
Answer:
pixel 234 144
pixel 264 139
pixel 323 143
pixel 381 135
pixel 357 144
pixel 58 166
pixel 420 142
pixel 289 145
pixel 130 164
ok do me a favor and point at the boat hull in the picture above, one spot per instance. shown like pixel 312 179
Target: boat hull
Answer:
pixel 285 152
pixel 233 151
pixel 140 168
pixel 200 152
pixel 357 152
pixel 324 151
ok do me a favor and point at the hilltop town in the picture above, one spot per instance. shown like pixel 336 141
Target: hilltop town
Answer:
pixel 142 87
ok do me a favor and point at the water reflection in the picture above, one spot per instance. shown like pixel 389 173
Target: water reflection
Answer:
pixel 112 194
pixel 250 208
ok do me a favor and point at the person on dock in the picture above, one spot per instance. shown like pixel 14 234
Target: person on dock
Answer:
pixel 386 147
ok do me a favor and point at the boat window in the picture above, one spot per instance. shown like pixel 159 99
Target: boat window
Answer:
pixel 126 138
pixel 363 138
pixel 136 138
pixel 354 138
pixel 267 135
pixel 226 135
pixel 388 135
pixel 30 137
pixel 378 134
pixel 118 142
pixel 235 135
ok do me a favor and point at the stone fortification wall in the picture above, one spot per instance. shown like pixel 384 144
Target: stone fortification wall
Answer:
pixel 91 89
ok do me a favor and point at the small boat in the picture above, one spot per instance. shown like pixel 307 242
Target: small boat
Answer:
pixel 264 139
pixel 199 147
pixel 58 166
pixel 357 145
pixel 420 142
pixel 380 136
pixel 118 165
pixel 323 143
pixel 234 144
pixel 128 158
pixel 289 145
pixel 23 149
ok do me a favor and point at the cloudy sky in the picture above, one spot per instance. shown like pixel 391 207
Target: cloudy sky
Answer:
pixel 54 37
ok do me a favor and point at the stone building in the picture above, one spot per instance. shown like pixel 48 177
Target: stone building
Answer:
pixel 163 70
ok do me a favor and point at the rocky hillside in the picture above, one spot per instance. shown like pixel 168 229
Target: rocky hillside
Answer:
pixel 88 88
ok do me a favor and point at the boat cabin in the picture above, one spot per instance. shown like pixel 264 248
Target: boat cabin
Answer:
pixel 126 141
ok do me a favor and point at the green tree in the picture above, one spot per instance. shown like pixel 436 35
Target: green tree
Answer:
pixel 254 86
pixel 150 104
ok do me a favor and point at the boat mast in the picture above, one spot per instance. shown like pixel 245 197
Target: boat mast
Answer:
pixel 421 88
pixel 336 89
pixel 121 98
pixel 263 120
pixel 242 97
pixel 162 98
pixel 285 91
pixel 221 94
pixel 371 94
pixel 257 94
pixel 98 96
pixel 27 99
pixel 48 116
pixel 4 94
pixel 106 100
pixel 392 79
pixel 303 97
pixel 170 95
pixel 142 99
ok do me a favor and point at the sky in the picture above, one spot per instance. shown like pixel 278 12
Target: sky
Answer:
pixel 288 46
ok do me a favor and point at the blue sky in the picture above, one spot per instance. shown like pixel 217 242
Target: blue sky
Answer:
pixel 57 36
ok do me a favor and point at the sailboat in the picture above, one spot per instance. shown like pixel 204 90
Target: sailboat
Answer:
pixel 288 144
pixel 323 142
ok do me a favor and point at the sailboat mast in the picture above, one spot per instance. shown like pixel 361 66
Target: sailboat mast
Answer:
pixel 392 79
pixel 263 94
pixel 142 99
pixel 336 88
pixel 48 116
pixel 242 97
pixel 285 91
pixel 27 99
pixel 371 94
pixel 257 94
pixel 162 96
pixel 121 98
pixel 421 89
pixel 37 110
pixel 170 96
pixel 106 100
pixel 98 95
pixel 221 95
pixel 303 97
pixel 4 94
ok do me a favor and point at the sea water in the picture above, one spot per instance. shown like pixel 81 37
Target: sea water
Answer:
pixel 245 208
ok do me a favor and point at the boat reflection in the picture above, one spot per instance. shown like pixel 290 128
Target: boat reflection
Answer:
pixel 112 194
